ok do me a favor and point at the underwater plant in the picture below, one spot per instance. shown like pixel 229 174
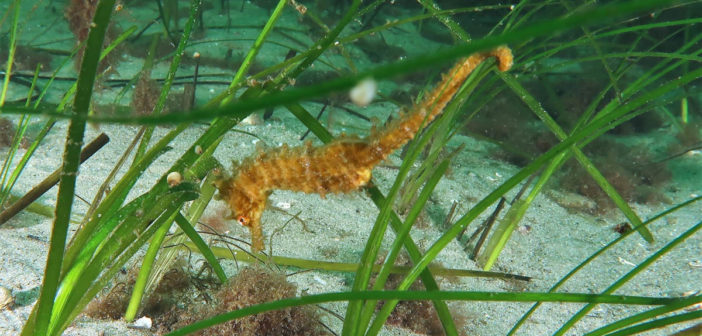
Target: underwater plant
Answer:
pixel 147 205
pixel 255 285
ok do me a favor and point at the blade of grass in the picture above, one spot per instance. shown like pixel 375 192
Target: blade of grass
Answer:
pixel 130 235
pixel 223 252
pixel 401 235
pixel 170 76
pixel 5 184
pixel 11 52
pixel 100 244
pixel 145 269
pixel 105 186
pixel 7 188
pixel 71 160
pixel 310 122
pixel 144 278
pixel 598 51
pixel 165 15
pixel 515 214
pixel 99 239
pixel 253 52
pixel 453 27
pixel 185 225
pixel 323 44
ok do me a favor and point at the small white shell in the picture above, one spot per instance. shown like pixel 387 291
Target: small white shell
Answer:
pixel 253 119
pixel 363 93
pixel 142 323
pixel 6 299
pixel 174 179
pixel 283 205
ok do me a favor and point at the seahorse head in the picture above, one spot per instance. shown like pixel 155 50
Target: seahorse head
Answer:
pixel 246 204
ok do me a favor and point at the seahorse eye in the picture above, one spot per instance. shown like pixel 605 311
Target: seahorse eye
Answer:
pixel 243 220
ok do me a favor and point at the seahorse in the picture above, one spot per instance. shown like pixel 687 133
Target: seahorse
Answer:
pixel 342 165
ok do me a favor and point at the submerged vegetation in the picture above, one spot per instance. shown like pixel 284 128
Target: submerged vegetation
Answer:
pixel 590 83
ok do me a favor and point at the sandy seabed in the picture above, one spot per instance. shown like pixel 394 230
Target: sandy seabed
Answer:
pixel 338 226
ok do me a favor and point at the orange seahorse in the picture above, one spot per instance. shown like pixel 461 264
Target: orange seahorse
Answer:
pixel 342 165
